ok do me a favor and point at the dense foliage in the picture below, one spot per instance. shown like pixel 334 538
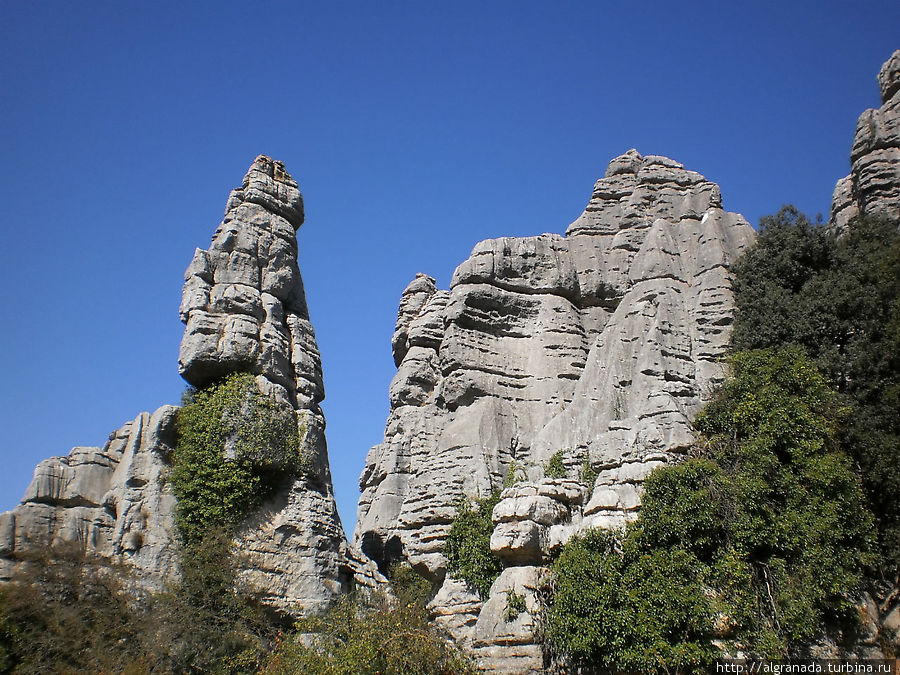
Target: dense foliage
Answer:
pixel 468 545
pixel 619 606
pixel 838 298
pixel 369 634
pixel 235 447
pixel 746 543
pixel 68 614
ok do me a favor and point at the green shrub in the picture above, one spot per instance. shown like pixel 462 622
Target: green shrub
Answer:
pixel 65 613
pixel 838 298
pixel 409 586
pixel 554 467
pixel 514 474
pixel 619 607
pixel 368 635
pixel 468 545
pixel 235 447
pixel 588 474
pixel 515 605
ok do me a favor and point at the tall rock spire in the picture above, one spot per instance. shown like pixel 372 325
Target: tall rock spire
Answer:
pixel 245 311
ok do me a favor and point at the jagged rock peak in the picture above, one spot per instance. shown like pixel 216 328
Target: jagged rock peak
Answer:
pixel 873 186
pixel 889 77
pixel 243 300
pixel 269 185
pixel 637 189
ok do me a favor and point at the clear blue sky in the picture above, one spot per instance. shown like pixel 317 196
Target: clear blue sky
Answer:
pixel 415 129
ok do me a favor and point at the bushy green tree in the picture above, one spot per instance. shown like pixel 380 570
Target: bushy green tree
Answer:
pixel 838 298
pixel 748 541
pixel 620 606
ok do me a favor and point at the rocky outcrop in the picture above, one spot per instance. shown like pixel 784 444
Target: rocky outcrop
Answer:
pixel 873 186
pixel 599 344
pixel 589 351
pixel 245 311
pixel 109 502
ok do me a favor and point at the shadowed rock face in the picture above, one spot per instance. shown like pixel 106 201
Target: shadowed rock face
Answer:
pixel 873 186
pixel 601 343
pixel 245 310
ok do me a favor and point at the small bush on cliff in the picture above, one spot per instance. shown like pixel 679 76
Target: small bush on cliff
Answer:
pixel 468 545
pixel 754 532
pixel 235 447
pixel 554 467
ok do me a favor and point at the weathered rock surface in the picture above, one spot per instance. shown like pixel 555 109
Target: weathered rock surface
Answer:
pixel 873 186
pixel 601 344
pixel 110 502
pixel 245 310
pixel 505 641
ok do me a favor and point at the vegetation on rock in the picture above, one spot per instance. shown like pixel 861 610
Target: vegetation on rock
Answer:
pixel 468 545
pixel 365 634
pixel 746 543
pixel 554 467
pixel 838 298
pixel 235 448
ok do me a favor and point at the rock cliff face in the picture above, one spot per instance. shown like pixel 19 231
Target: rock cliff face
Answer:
pixel 598 345
pixel 873 186
pixel 245 310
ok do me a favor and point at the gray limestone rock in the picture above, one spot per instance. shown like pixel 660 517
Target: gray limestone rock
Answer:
pixel 873 186
pixel 110 502
pixel 245 311
pixel 600 344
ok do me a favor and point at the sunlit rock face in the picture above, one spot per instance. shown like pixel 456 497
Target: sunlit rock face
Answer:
pixel 109 502
pixel 601 343
pixel 873 186
pixel 245 311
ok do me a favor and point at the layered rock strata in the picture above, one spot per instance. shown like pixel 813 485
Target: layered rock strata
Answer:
pixel 873 186
pixel 109 503
pixel 600 344
pixel 595 348
pixel 245 311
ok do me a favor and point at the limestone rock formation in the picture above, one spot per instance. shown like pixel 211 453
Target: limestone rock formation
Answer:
pixel 600 344
pixel 873 186
pixel 109 502
pixel 595 348
pixel 245 310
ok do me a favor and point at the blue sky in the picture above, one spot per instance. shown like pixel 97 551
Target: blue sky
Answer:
pixel 415 129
